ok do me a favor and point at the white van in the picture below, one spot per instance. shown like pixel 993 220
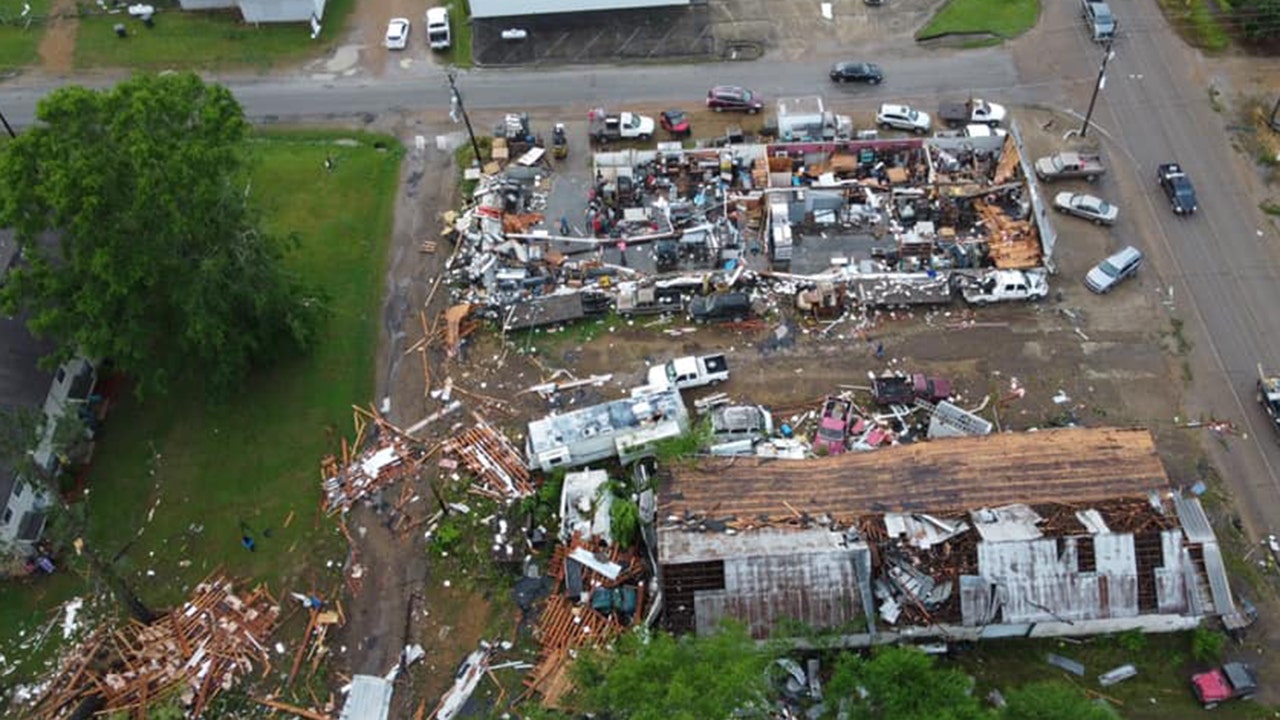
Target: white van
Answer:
pixel 438 36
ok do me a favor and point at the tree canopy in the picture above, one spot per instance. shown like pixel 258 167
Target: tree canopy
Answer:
pixel 660 677
pixel 901 683
pixel 132 208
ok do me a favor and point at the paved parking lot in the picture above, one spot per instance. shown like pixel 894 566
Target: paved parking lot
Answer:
pixel 563 38
pixel 720 28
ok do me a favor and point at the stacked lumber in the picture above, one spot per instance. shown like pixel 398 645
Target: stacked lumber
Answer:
pixel 196 651
pixel 488 454
pixel 1007 168
pixel 1011 244
pixel 386 458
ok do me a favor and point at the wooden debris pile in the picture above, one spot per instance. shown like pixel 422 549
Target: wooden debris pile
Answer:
pixel 566 624
pixel 198 650
pixel 496 463
pixel 1012 244
pixel 387 456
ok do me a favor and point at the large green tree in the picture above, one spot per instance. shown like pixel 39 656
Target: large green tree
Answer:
pixel 901 683
pixel 660 677
pixel 1053 700
pixel 158 260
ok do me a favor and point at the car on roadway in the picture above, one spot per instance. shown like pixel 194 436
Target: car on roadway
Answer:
pixel 734 98
pixel 397 34
pixel 1109 273
pixel 1178 188
pixel 903 117
pixel 1089 207
pixel 864 72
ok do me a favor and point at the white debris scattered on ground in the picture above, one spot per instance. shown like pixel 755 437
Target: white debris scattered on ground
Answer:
pixel 69 613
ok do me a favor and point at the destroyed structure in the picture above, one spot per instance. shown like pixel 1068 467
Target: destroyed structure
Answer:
pixel 867 222
pixel 1061 532
pixel 624 429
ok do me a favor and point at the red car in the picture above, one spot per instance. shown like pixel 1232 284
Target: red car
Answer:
pixel 734 98
pixel 675 122
pixel 1233 681
pixel 833 426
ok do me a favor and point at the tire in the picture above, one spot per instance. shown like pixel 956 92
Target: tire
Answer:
pixel 1098 222
pixel 918 130
pixel 1090 178
pixel 886 126
pixel 717 108
pixel 646 137
pixel 873 81
pixel 752 111
pixel 841 79
pixel 1059 209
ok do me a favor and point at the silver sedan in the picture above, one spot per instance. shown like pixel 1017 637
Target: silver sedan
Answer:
pixel 1086 206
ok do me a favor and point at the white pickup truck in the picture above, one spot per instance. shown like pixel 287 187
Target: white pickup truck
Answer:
pixel 1006 286
pixel 690 371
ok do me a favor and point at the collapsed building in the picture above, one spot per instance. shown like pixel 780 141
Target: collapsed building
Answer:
pixel 875 222
pixel 1062 532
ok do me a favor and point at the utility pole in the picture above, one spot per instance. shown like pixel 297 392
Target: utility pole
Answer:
pixel 1102 81
pixel 7 127
pixel 457 102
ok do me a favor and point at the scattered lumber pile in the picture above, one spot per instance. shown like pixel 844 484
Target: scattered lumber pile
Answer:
pixel 1012 244
pixel 566 625
pixel 489 454
pixel 388 455
pixel 195 651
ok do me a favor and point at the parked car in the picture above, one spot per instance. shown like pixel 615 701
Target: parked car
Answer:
pixel 397 34
pixel 734 98
pixel 1067 165
pixel 675 122
pixel 1099 19
pixel 1110 272
pixel 733 306
pixel 864 72
pixel 604 127
pixel 903 117
pixel 1178 188
pixel 1088 207
pixel 438 34
pixel 1006 286
pixel 896 390
pixel 690 371
pixel 1232 681
pixel 972 111
pixel 833 426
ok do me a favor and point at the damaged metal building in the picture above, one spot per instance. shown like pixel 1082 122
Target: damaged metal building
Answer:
pixel 1060 532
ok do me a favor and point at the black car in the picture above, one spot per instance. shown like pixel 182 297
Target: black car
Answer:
pixel 869 73
pixel 1178 188
pixel 734 98
pixel 733 306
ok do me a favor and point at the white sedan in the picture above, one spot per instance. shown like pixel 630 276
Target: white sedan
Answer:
pixel 1086 206
pixel 397 34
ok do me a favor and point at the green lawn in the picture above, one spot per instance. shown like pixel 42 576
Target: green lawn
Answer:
pixel 256 458
pixel 18 43
pixel 205 41
pixel 1159 692
pixel 459 52
pixel 1197 23
pixel 1003 18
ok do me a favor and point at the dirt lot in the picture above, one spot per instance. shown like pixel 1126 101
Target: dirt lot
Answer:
pixel 1118 359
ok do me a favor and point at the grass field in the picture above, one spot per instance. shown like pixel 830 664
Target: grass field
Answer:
pixel 1195 21
pixel 173 478
pixel 1159 692
pixel 19 43
pixel 205 41
pixel 459 52
pixel 1002 18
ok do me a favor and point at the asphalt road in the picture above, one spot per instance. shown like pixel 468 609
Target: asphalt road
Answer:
pixel 1221 263
pixel 584 87
pixel 1155 109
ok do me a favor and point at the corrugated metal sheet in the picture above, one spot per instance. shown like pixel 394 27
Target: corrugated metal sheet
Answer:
pixel 677 546
pixel 508 8
pixel 817 588
pixel 1195 524
pixel 1035 582
pixel 1007 523
pixel 1171 588
pixel 206 4
pixel 1219 586
pixel 1092 521
pixel 369 699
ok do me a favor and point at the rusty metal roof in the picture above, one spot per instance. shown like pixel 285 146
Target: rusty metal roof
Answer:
pixel 1071 465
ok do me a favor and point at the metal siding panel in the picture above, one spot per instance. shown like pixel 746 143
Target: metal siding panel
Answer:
pixel 1193 520
pixel 1219 586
